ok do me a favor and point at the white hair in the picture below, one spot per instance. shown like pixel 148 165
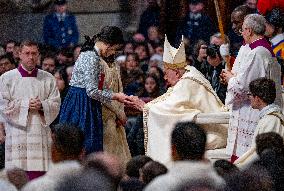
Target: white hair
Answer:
pixel 219 35
pixel 255 22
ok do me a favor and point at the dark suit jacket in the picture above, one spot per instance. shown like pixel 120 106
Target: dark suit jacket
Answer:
pixel 60 34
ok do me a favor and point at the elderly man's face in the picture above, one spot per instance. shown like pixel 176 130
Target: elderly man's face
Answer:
pixel 246 33
pixel 171 76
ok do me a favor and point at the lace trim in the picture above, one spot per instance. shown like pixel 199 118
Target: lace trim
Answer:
pixel 146 115
pixel 166 95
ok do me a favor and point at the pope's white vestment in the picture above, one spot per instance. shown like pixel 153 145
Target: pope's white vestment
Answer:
pixel 191 95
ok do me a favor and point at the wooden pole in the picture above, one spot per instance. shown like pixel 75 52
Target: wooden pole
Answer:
pixel 221 28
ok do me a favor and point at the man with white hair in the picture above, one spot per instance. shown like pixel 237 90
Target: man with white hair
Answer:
pixel 258 60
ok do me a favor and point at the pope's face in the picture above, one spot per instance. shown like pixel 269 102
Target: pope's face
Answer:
pixel 171 76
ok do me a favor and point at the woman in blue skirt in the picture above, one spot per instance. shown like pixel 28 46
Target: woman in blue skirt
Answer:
pixel 82 104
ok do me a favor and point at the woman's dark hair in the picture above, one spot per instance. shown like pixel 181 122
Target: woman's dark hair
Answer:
pixel 225 168
pixel 197 47
pixel 162 82
pixel 145 45
pixel 134 55
pixel 111 35
pixel 63 74
pixel 156 91
pixel 160 71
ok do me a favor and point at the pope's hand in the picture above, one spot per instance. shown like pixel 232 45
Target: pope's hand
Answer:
pixel 135 102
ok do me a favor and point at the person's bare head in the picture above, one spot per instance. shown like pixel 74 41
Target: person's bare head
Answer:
pixel 67 143
pixel 218 40
pixel 29 55
pixel 188 142
pixel 237 17
pixel 253 28
pixel 60 6
pixel 106 163
pixel 251 4
pixel 10 45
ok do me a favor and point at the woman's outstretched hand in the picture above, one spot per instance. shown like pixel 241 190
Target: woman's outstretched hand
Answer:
pixel 121 97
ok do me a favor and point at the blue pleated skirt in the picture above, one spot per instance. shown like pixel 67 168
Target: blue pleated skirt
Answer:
pixel 81 110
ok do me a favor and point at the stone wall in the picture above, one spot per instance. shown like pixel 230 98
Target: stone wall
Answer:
pixel 91 16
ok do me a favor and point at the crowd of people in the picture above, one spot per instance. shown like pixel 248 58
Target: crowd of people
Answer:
pixel 79 116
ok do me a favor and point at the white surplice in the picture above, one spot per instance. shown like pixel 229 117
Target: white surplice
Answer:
pixel 28 136
pixel 249 65
pixel 191 95
pixel 271 120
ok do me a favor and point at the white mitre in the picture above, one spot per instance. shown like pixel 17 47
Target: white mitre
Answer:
pixel 174 58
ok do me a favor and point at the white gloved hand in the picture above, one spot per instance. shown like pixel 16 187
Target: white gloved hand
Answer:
pixel 224 50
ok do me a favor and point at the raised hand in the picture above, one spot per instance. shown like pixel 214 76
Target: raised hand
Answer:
pixel 119 97
pixel 226 75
